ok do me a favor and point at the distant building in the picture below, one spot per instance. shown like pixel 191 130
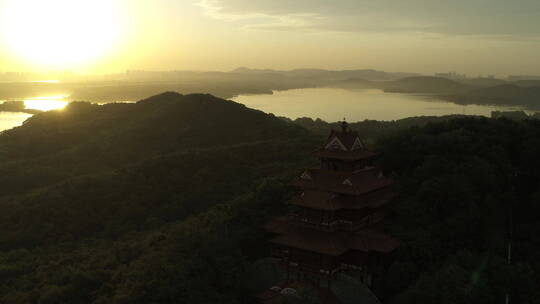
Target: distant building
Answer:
pixel 336 220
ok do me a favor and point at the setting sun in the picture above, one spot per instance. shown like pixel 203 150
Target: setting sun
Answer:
pixel 59 33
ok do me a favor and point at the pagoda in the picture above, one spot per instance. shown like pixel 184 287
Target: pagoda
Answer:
pixel 335 219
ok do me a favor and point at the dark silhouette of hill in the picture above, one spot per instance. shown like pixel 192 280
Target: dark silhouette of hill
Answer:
pixel 425 84
pixel 504 95
pixel 416 84
pixel 16 106
pixel 506 91
pixel 186 121
pixel 482 82
pixel 480 91
pixel 87 138
pixel 163 199
pixel 91 184
pixel 326 75
pixel 244 70
pixel 527 83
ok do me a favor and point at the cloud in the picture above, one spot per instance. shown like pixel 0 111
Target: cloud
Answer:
pixel 456 17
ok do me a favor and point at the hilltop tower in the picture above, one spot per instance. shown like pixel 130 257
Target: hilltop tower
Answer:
pixel 335 223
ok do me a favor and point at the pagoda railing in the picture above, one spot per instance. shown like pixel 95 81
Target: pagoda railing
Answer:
pixel 280 252
pixel 316 269
pixel 307 222
pixel 308 264
pixel 338 224
pixel 367 221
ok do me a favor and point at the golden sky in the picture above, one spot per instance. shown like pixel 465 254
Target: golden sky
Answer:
pixel 101 36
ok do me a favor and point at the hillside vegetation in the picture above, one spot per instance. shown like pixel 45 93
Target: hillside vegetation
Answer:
pixel 161 202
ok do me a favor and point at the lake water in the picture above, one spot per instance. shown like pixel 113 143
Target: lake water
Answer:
pixel 326 103
pixel 355 105
pixel 10 120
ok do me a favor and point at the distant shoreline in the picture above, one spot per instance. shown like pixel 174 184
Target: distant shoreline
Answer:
pixel 229 85
pixel 17 107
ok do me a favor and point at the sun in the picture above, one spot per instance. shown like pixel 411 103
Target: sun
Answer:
pixel 60 33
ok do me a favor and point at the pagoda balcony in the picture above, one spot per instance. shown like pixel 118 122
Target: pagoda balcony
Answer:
pixel 306 261
pixel 279 252
pixel 312 268
pixel 337 224
pixel 312 223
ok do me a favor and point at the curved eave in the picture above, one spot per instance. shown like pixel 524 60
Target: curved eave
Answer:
pixel 344 155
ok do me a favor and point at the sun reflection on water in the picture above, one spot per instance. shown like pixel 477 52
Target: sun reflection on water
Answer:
pixel 46 103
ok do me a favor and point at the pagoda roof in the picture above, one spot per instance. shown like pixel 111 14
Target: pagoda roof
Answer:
pixel 348 138
pixel 316 200
pixel 345 144
pixel 334 243
pixel 345 155
pixel 345 182
pixel 331 201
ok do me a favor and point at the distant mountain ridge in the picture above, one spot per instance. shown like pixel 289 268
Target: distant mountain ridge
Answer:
pixel 425 84
pixel 136 85
pixel 367 74
pixel 519 94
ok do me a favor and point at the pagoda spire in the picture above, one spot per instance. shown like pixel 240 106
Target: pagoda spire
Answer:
pixel 344 126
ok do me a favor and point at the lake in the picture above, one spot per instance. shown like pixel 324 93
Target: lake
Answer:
pixel 326 103
pixel 10 120
pixel 332 104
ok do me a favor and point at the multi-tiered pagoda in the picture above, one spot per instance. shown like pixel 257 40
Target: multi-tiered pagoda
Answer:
pixel 336 217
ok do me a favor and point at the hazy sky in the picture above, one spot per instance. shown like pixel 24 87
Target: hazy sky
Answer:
pixel 468 36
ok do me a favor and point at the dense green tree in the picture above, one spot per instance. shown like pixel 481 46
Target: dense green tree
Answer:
pixel 162 201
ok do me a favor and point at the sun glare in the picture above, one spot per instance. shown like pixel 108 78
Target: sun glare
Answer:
pixel 60 33
pixel 46 103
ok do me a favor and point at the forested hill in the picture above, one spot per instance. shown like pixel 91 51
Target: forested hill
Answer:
pixel 159 124
pixel 87 138
pixel 161 202
pixel 469 188
pixel 95 200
